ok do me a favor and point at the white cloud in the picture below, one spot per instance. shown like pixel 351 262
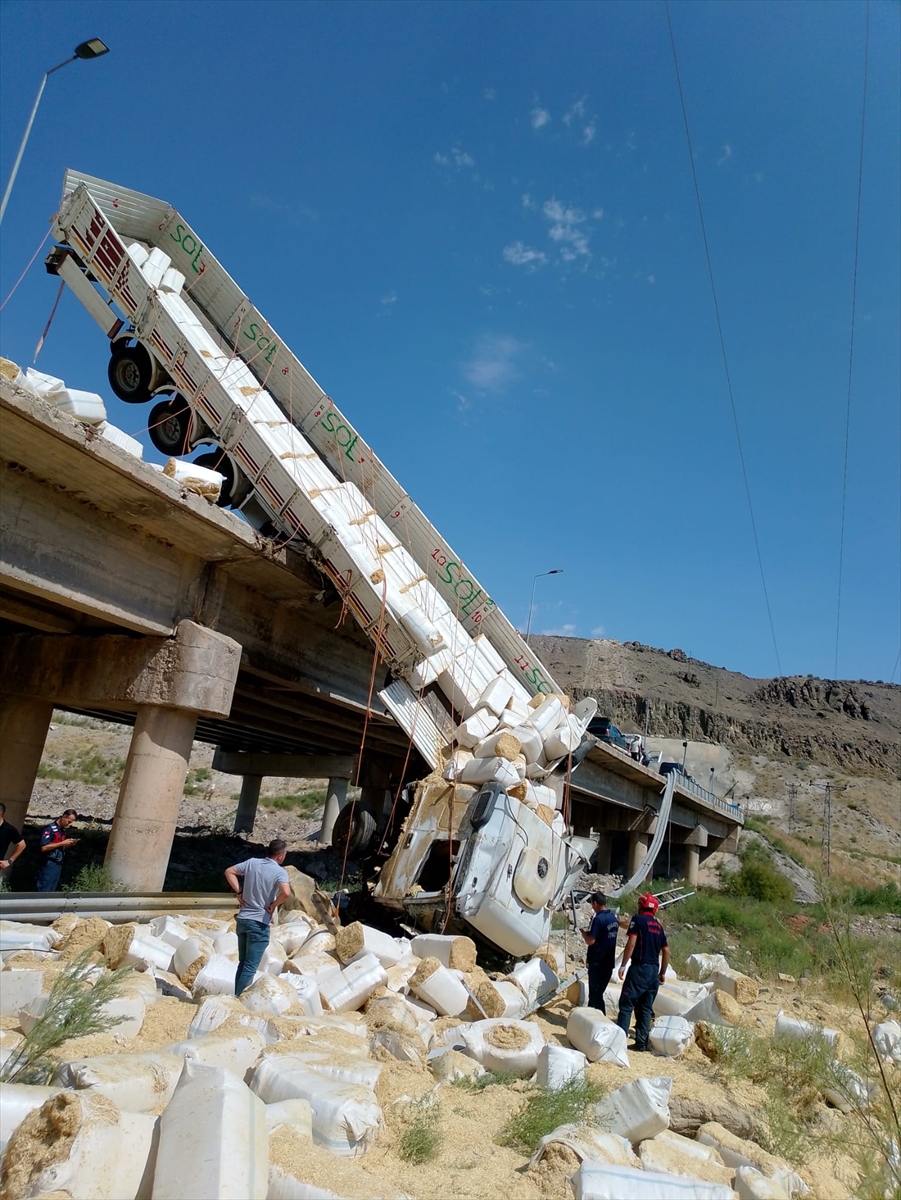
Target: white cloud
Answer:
pixel 567 630
pixel 567 228
pixel 527 201
pixel 490 94
pixel 463 402
pixel 540 117
pixel 725 155
pixel 577 110
pixel 597 214
pixel 494 364
pixel 456 157
pixel 652 279
pixel 598 631
pixel 521 255
pixel 389 299
pixel 589 133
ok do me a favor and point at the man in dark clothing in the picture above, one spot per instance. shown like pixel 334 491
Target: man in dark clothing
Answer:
pixel 600 938
pixel 54 844
pixel 648 951
pixel 12 844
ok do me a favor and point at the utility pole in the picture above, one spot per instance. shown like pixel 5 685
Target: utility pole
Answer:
pixel 826 853
pixel 647 718
pixel 792 793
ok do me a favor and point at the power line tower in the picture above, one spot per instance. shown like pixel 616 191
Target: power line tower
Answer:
pixel 826 844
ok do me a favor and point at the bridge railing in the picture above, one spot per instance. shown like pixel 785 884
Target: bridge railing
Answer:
pixel 734 811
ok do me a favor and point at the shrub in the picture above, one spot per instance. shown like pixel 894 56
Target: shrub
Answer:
pixel 303 803
pixel 543 1112
pixel 93 877
pixel 420 1137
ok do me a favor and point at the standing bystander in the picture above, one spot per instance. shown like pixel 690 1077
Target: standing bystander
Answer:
pixel 54 845
pixel 263 885
pixel 600 958
pixel 647 948
pixel 12 844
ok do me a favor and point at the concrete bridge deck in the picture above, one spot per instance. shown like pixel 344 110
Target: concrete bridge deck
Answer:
pixel 124 595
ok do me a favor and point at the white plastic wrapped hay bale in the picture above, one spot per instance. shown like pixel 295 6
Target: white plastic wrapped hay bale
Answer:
pixel 270 995
pixel 848 1092
pixel 346 1116
pixel 353 986
pixel 637 1110
pixel 306 993
pixel 170 929
pixel 600 1181
pixel 213 1012
pixel 457 953
pixel 118 437
pixel 503 1046
pixel 358 939
pixel 557 1065
pixel 134 945
pixel 751 1185
pixel 399 976
pixel 717 1008
pixel 316 965
pixel 86 407
pixel 742 987
pixel 320 941
pixel 471 731
pixel 226 943
pixel 669 1158
pixel 341 1059
pixel 295 1113
pixel 435 984
pixel 21 935
pixel 530 740
pixel 234 1052
pixel 143 984
pixel 189 956
pixel 213 1139
pixel 134 1082
pixel 671 1036
pixel 487 770
pixel 73 1144
pixel 17 1100
pixel 128 1011
pixel 273 960
pixel 536 979
pixel 671 1001
pixel 887 1040
pixel 19 988
pixel 563 739
pixel 586 1142
pixel 787 1027
pixel 701 966
pixel 293 932
pixel 599 1038
pixel 215 978
pixel 204 481
pixel 737 1152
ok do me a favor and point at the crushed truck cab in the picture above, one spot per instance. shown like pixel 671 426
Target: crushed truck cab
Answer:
pixel 486 842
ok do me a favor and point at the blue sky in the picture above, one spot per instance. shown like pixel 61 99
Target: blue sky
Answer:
pixel 476 226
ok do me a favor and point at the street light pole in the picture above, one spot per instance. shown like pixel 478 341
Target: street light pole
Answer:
pixel 90 49
pixel 540 575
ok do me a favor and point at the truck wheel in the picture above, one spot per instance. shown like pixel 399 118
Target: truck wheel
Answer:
pixel 131 373
pixel 170 426
pixel 354 831
pixel 218 460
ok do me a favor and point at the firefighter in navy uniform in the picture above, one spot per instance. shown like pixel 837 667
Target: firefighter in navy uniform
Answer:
pixel 647 956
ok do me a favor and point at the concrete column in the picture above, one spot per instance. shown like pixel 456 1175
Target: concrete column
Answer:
pixel 638 850
pixel 602 858
pixel 23 730
pixel 246 815
pixel 692 862
pixel 336 798
pixel 149 797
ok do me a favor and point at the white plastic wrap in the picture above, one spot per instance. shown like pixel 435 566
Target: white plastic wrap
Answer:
pixel 637 1110
pixel 372 941
pixel 887 1040
pixel 353 986
pixel 216 978
pixel 213 1139
pixel 19 988
pixel 83 406
pixel 600 1181
pixel 701 966
pixel 736 1152
pixel 587 1142
pixel 134 1082
pixel 751 1185
pixel 787 1027
pixel 599 1038
pixel 20 935
pixel 270 994
pixel 306 993
pixel 187 951
pixel 17 1100
pixel 296 1113
pixel 557 1065
pixel 233 1052
pixel 226 943
pixel 319 966
pixel 707 1009
pixel 213 1012
pixel 535 978
pixel 488 1048
pixel 671 1036
pixel 118 437
pixel 346 1116
pixel 443 991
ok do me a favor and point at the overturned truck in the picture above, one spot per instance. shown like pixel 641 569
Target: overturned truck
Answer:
pixel 486 841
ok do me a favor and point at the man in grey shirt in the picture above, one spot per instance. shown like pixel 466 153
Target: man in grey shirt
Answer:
pixel 265 886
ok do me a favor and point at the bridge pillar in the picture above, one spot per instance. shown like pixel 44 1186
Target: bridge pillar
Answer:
pixel 23 730
pixel 149 797
pixel 246 814
pixel 692 862
pixel 604 851
pixel 336 798
pixel 638 849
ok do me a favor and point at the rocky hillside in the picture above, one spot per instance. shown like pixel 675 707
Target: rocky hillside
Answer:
pixel 852 725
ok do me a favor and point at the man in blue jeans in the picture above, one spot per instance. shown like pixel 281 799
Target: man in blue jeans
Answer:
pixel 647 948
pixel 261 885
pixel 600 938
pixel 54 844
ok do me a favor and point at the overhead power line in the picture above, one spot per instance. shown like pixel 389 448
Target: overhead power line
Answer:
pixel 719 325
pixel 841 538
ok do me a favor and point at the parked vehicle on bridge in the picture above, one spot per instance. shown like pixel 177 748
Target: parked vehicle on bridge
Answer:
pixel 482 843
pixel 673 768
pixel 604 730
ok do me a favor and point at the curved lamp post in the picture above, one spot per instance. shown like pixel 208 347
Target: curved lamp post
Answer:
pixel 540 575
pixel 93 48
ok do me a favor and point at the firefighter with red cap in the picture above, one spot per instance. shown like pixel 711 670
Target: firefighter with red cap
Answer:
pixel 647 956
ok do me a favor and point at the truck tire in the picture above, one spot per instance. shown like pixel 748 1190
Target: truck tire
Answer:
pixel 354 831
pixel 131 374
pixel 218 460
pixel 169 426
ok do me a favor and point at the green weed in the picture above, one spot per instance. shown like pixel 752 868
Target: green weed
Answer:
pixel 195 780
pixel 93 877
pixel 544 1111
pixel 303 803
pixel 420 1137
pixel 478 1083
pixel 89 766
pixel 758 878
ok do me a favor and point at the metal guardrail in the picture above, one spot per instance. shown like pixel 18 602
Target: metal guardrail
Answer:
pixel 43 908
pixel 732 810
